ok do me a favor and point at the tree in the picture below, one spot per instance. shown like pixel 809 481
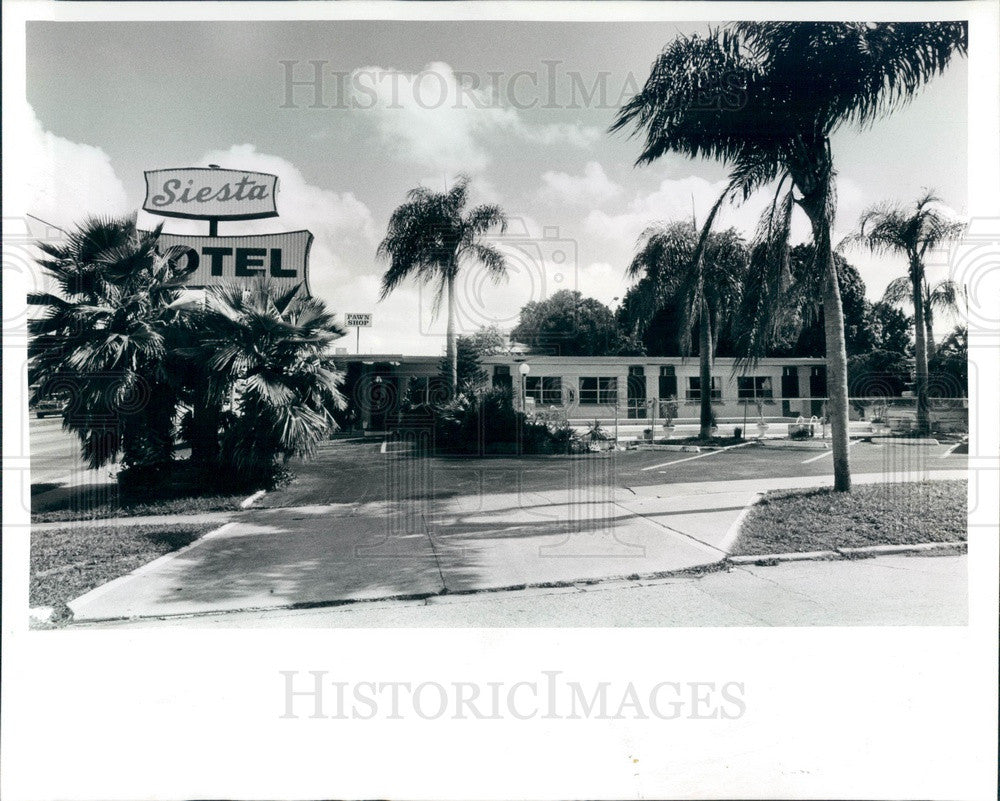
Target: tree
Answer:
pixel 487 341
pixel 890 228
pixel 944 296
pixel 950 364
pixel 104 338
pixel 269 349
pixel 568 324
pixel 702 291
pixel 765 98
pixel 430 238
pixel 891 330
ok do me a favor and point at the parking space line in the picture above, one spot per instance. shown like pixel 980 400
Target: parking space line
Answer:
pixel 697 456
pixel 948 452
pixel 827 453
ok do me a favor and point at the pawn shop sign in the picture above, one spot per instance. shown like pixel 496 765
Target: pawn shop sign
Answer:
pixel 358 320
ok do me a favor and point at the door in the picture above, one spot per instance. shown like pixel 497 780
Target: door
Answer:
pixel 789 388
pixel 817 388
pixel 636 393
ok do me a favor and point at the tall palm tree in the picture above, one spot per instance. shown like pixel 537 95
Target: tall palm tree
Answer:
pixel 704 291
pixel 430 238
pixel 765 98
pixel 891 228
pixel 268 349
pixel 104 337
pixel 945 296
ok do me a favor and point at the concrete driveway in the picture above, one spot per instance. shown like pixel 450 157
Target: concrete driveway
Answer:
pixel 273 558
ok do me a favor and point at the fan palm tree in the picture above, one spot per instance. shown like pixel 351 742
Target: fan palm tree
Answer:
pixel 269 350
pixel 430 238
pixel 765 98
pixel 945 296
pixel 704 291
pixel 104 336
pixel 890 228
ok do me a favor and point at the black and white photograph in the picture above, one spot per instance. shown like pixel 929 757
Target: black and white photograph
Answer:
pixel 605 367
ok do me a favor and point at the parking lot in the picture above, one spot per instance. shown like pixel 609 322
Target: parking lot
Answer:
pixel 354 471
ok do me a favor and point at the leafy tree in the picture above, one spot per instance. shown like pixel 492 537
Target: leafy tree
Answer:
pixel 703 292
pixel 891 330
pixel 568 324
pixel 269 349
pixel 431 237
pixel 471 349
pixel 890 228
pixel 104 337
pixel 765 98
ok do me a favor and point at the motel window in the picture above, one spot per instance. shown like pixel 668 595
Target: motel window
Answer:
pixel 694 388
pixel 754 387
pixel 544 389
pixel 598 390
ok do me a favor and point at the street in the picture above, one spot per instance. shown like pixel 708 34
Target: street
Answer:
pixel 883 591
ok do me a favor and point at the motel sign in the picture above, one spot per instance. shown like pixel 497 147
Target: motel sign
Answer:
pixel 214 194
pixel 280 258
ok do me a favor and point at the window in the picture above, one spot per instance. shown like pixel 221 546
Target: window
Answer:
pixel 668 382
pixel 754 387
pixel 598 390
pixel 544 389
pixel 694 388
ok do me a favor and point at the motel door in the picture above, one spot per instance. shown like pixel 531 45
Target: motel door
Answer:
pixel 817 388
pixel 789 388
pixel 383 399
pixel 636 393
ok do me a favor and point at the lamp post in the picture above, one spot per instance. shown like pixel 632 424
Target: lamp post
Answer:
pixel 524 369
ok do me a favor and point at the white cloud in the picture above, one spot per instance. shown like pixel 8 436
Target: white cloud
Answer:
pixel 56 179
pixel 594 186
pixel 439 121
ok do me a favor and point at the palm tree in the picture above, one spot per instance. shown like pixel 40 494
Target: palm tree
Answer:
pixel 430 238
pixel 765 98
pixel 890 228
pixel 704 291
pixel 104 337
pixel 268 350
pixel 945 296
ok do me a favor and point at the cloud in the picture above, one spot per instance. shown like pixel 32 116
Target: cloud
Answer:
pixel 56 179
pixel 593 186
pixel 439 120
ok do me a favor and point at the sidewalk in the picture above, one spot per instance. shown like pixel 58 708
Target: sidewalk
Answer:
pixel 281 558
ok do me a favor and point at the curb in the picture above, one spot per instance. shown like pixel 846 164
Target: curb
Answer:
pixel 867 551
pixel 97 592
pixel 733 533
pixel 669 448
pixel 926 441
pixel 250 500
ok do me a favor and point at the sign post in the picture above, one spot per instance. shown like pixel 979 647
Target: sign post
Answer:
pixel 357 321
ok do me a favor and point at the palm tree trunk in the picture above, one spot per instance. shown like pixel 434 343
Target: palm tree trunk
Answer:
pixel 929 327
pixel 836 348
pixel 705 371
pixel 920 335
pixel 452 345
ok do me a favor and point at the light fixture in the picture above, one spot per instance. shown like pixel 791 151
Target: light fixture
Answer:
pixel 524 368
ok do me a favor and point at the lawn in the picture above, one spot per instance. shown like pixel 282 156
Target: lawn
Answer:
pixel 183 492
pixel 875 514
pixel 67 562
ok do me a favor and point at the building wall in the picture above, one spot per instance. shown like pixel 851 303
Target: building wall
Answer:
pixel 730 407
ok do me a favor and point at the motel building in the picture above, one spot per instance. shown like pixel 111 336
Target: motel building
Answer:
pixel 627 391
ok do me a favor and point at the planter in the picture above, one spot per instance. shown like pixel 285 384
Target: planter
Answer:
pixel 762 429
pixel 714 431
pixel 668 431
pixel 879 428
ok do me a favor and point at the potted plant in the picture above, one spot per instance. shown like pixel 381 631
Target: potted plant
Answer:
pixel 669 411
pixel 597 436
pixel 761 424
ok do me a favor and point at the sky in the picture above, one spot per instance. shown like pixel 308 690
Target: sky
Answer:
pixel 521 107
